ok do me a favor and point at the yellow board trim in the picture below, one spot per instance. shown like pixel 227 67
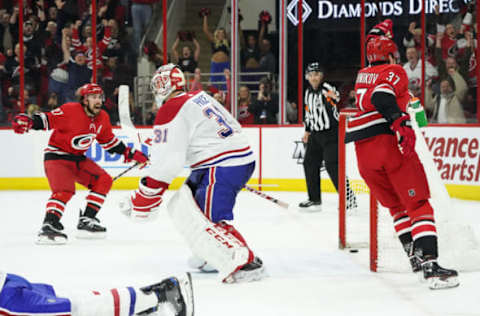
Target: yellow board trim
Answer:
pixel 467 192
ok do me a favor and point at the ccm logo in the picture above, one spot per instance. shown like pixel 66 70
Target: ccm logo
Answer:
pixel 219 237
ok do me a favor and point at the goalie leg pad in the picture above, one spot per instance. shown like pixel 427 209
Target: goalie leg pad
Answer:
pixel 207 240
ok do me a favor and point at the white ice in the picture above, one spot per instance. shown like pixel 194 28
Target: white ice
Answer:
pixel 308 274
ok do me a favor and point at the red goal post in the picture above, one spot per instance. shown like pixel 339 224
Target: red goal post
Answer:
pixel 343 198
pixel 369 225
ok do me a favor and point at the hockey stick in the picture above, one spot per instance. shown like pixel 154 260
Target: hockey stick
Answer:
pixel 126 170
pixel 124 115
pixel 268 197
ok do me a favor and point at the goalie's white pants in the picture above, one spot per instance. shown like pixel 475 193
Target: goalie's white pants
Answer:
pixel 207 240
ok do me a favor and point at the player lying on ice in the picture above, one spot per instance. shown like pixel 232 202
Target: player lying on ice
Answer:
pixel 172 296
pixel 75 126
pixel 193 129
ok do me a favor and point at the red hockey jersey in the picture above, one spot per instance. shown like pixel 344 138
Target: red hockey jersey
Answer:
pixel 74 131
pixel 385 78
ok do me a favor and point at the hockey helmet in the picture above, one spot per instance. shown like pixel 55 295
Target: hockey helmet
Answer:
pixel 167 79
pixel 90 88
pixel 380 47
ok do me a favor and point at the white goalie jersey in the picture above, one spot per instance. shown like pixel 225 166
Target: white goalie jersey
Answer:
pixel 194 130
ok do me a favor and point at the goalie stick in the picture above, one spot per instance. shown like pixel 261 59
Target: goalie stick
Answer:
pixel 268 197
pixel 126 124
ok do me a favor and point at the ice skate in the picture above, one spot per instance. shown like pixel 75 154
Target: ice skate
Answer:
pixel 195 262
pixel 90 228
pixel 177 291
pixel 253 271
pixel 438 277
pixel 51 233
pixel 414 258
pixel 310 206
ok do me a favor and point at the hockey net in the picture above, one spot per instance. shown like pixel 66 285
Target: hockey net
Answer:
pixel 364 223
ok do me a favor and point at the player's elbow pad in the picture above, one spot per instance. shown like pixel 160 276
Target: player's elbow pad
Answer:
pixel 386 104
pixel 40 121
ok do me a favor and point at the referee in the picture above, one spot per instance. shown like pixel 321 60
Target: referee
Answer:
pixel 321 135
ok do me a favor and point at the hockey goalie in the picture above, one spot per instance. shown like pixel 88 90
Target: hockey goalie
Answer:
pixel 192 129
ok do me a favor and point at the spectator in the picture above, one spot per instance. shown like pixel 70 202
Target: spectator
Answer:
pixel 78 72
pixel 12 66
pixel 32 108
pixel 267 59
pixel 413 38
pixel 413 67
pixel 196 84
pixel 188 61
pixel 52 101
pixel 265 108
pixel 292 112
pixel 244 104
pixel 87 46
pixel 154 54
pixel 141 16
pixel 351 101
pixel 445 65
pixel 220 52
pixel 446 107
pixel 6 41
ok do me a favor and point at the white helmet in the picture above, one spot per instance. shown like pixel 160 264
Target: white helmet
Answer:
pixel 167 79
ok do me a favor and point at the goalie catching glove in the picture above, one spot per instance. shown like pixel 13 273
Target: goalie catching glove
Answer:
pixel 402 127
pixel 22 123
pixel 143 204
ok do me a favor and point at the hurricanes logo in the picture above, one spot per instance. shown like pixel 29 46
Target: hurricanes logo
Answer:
pixel 299 151
pixel 82 142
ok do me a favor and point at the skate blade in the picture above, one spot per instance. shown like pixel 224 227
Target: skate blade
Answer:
pixel 186 288
pixel 247 276
pixel 45 240
pixel 81 234
pixel 311 209
pixel 438 284
pixel 420 277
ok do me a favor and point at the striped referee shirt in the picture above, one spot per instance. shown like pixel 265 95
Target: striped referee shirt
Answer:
pixel 321 108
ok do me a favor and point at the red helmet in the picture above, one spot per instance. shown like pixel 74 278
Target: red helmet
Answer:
pixel 90 88
pixel 378 49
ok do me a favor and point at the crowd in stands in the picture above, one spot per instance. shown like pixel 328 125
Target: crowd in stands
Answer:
pixel 450 66
pixel 58 59
pixel 58 53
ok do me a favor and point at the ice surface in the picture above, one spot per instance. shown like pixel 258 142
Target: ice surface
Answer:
pixel 308 274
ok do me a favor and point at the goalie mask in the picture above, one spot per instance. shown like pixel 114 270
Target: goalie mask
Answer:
pixel 166 80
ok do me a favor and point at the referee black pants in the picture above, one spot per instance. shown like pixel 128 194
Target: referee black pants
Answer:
pixel 321 146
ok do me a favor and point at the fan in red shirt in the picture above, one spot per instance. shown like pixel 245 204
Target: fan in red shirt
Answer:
pixel 75 126
pixel 387 161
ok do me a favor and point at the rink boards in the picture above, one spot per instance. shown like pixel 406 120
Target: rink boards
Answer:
pixel 279 153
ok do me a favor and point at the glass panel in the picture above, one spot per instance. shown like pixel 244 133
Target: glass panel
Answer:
pixel 258 97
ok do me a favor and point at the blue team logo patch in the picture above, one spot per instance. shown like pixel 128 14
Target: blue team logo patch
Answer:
pixel 411 192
